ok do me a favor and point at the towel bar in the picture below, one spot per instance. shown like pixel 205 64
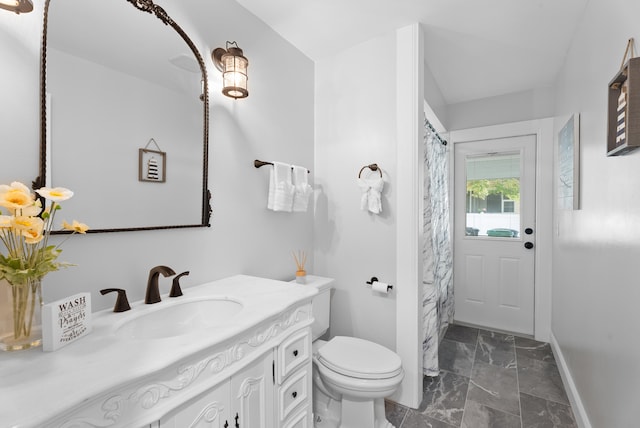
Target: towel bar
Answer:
pixel 258 163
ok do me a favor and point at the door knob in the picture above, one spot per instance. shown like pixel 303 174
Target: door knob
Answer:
pixel 528 245
pixel 528 231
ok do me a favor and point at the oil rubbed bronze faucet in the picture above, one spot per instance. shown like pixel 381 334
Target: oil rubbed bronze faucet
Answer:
pixel 153 292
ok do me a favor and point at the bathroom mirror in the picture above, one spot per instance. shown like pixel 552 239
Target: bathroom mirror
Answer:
pixel 123 93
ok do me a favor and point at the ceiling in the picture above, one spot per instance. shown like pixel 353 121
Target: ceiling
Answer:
pixel 474 48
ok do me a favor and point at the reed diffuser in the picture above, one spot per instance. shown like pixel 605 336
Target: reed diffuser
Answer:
pixel 301 260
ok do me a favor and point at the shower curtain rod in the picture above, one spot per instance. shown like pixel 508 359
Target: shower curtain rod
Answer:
pixel 435 133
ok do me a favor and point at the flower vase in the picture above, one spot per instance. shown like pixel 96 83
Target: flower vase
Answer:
pixel 20 315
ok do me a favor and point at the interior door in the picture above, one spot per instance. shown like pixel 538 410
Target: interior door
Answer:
pixel 494 236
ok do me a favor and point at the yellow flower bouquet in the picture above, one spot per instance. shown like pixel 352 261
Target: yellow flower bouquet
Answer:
pixel 25 230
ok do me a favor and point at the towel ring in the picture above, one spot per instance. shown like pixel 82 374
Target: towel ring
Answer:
pixel 372 167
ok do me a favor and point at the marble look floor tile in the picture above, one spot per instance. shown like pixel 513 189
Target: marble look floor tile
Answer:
pixel 444 397
pixel 418 420
pixel 540 413
pixel 496 348
pixel 477 415
pixel 497 337
pixel 456 357
pixel 461 333
pixel 541 379
pixel 494 386
pixel 395 412
pixel 534 349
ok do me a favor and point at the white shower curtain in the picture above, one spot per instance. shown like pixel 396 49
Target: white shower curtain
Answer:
pixel 437 299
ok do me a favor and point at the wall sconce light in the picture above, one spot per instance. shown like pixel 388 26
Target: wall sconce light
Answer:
pixel 17 6
pixel 233 65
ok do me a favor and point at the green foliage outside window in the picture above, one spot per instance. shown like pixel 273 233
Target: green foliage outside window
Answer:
pixel 508 187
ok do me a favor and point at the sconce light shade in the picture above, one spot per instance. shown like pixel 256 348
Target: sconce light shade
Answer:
pixel 233 65
pixel 17 6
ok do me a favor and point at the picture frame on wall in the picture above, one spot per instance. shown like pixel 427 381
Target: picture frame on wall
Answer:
pixel 152 165
pixel 568 171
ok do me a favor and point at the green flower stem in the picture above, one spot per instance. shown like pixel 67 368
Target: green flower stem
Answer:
pixel 24 300
pixel 32 287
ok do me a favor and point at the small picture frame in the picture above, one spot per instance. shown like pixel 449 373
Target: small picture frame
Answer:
pixel 152 165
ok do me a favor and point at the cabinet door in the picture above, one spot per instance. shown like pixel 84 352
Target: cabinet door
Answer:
pixel 252 395
pixel 210 410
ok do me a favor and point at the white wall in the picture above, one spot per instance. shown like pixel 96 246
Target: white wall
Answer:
pixel 19 79
pixel 514 107
pixel 356 126
pixel 272 124
pixel 596 249
pixel 435 105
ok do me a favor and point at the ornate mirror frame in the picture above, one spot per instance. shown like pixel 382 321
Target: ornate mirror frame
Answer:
pixel 150 7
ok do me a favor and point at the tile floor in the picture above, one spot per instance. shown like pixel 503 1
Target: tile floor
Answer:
pixel 489 380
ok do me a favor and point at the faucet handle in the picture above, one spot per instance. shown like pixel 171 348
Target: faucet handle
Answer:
pixel 176 291
pixel 122 303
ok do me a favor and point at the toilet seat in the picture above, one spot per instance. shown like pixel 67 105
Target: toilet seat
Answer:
pixel 360 359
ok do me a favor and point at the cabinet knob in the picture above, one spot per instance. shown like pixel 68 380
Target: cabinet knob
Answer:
pixel 295 352
pixel 294 394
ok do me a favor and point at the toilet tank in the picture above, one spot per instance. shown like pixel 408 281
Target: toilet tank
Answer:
pixel 321 304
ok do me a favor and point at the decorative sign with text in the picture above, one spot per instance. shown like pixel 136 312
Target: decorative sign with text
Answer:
pixel 65 321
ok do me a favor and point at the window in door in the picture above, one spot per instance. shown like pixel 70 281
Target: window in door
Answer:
pixel 493 195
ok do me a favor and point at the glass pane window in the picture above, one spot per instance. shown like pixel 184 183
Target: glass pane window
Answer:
pixel 493 195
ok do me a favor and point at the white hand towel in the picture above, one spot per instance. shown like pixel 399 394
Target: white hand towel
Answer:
pixel 280 188
pixel 371 194
pixel 302 189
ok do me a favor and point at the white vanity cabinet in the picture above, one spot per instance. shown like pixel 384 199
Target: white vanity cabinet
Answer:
pixel 246 400
pixel 274 391
pixel 257 366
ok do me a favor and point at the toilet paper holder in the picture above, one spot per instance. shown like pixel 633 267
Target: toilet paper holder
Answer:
pixel 375 279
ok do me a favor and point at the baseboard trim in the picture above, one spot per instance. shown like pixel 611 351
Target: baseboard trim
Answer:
pixel 572 392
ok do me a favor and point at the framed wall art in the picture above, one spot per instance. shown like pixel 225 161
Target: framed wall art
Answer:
pixel 568 173
pixel 623 111
pixel 152 164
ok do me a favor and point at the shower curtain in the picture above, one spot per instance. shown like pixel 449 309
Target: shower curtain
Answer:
pixel 437 301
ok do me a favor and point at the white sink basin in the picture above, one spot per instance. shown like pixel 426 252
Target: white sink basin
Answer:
pixel 180 318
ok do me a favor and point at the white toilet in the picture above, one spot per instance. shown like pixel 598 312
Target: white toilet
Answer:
pixel 351 376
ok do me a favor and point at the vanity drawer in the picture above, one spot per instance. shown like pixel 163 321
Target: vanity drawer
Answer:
pixel 293 353
pixel 302 419
pixel 294 392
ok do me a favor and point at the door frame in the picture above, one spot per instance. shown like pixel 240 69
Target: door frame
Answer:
pixel 543 130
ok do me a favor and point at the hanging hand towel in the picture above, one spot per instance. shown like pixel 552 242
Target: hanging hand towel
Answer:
pixel 371 194
pixel 280 188
pixel 302 189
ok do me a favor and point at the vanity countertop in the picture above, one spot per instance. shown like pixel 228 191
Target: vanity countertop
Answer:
pixel 35 384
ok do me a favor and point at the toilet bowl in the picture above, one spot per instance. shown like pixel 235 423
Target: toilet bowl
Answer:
pixel 351 379
pixel 351 376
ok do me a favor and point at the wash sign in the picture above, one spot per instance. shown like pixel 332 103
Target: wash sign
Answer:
pixel 65 321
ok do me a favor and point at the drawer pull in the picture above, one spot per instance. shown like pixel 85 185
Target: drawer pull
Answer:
pixel 294 394
pixel 295 352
